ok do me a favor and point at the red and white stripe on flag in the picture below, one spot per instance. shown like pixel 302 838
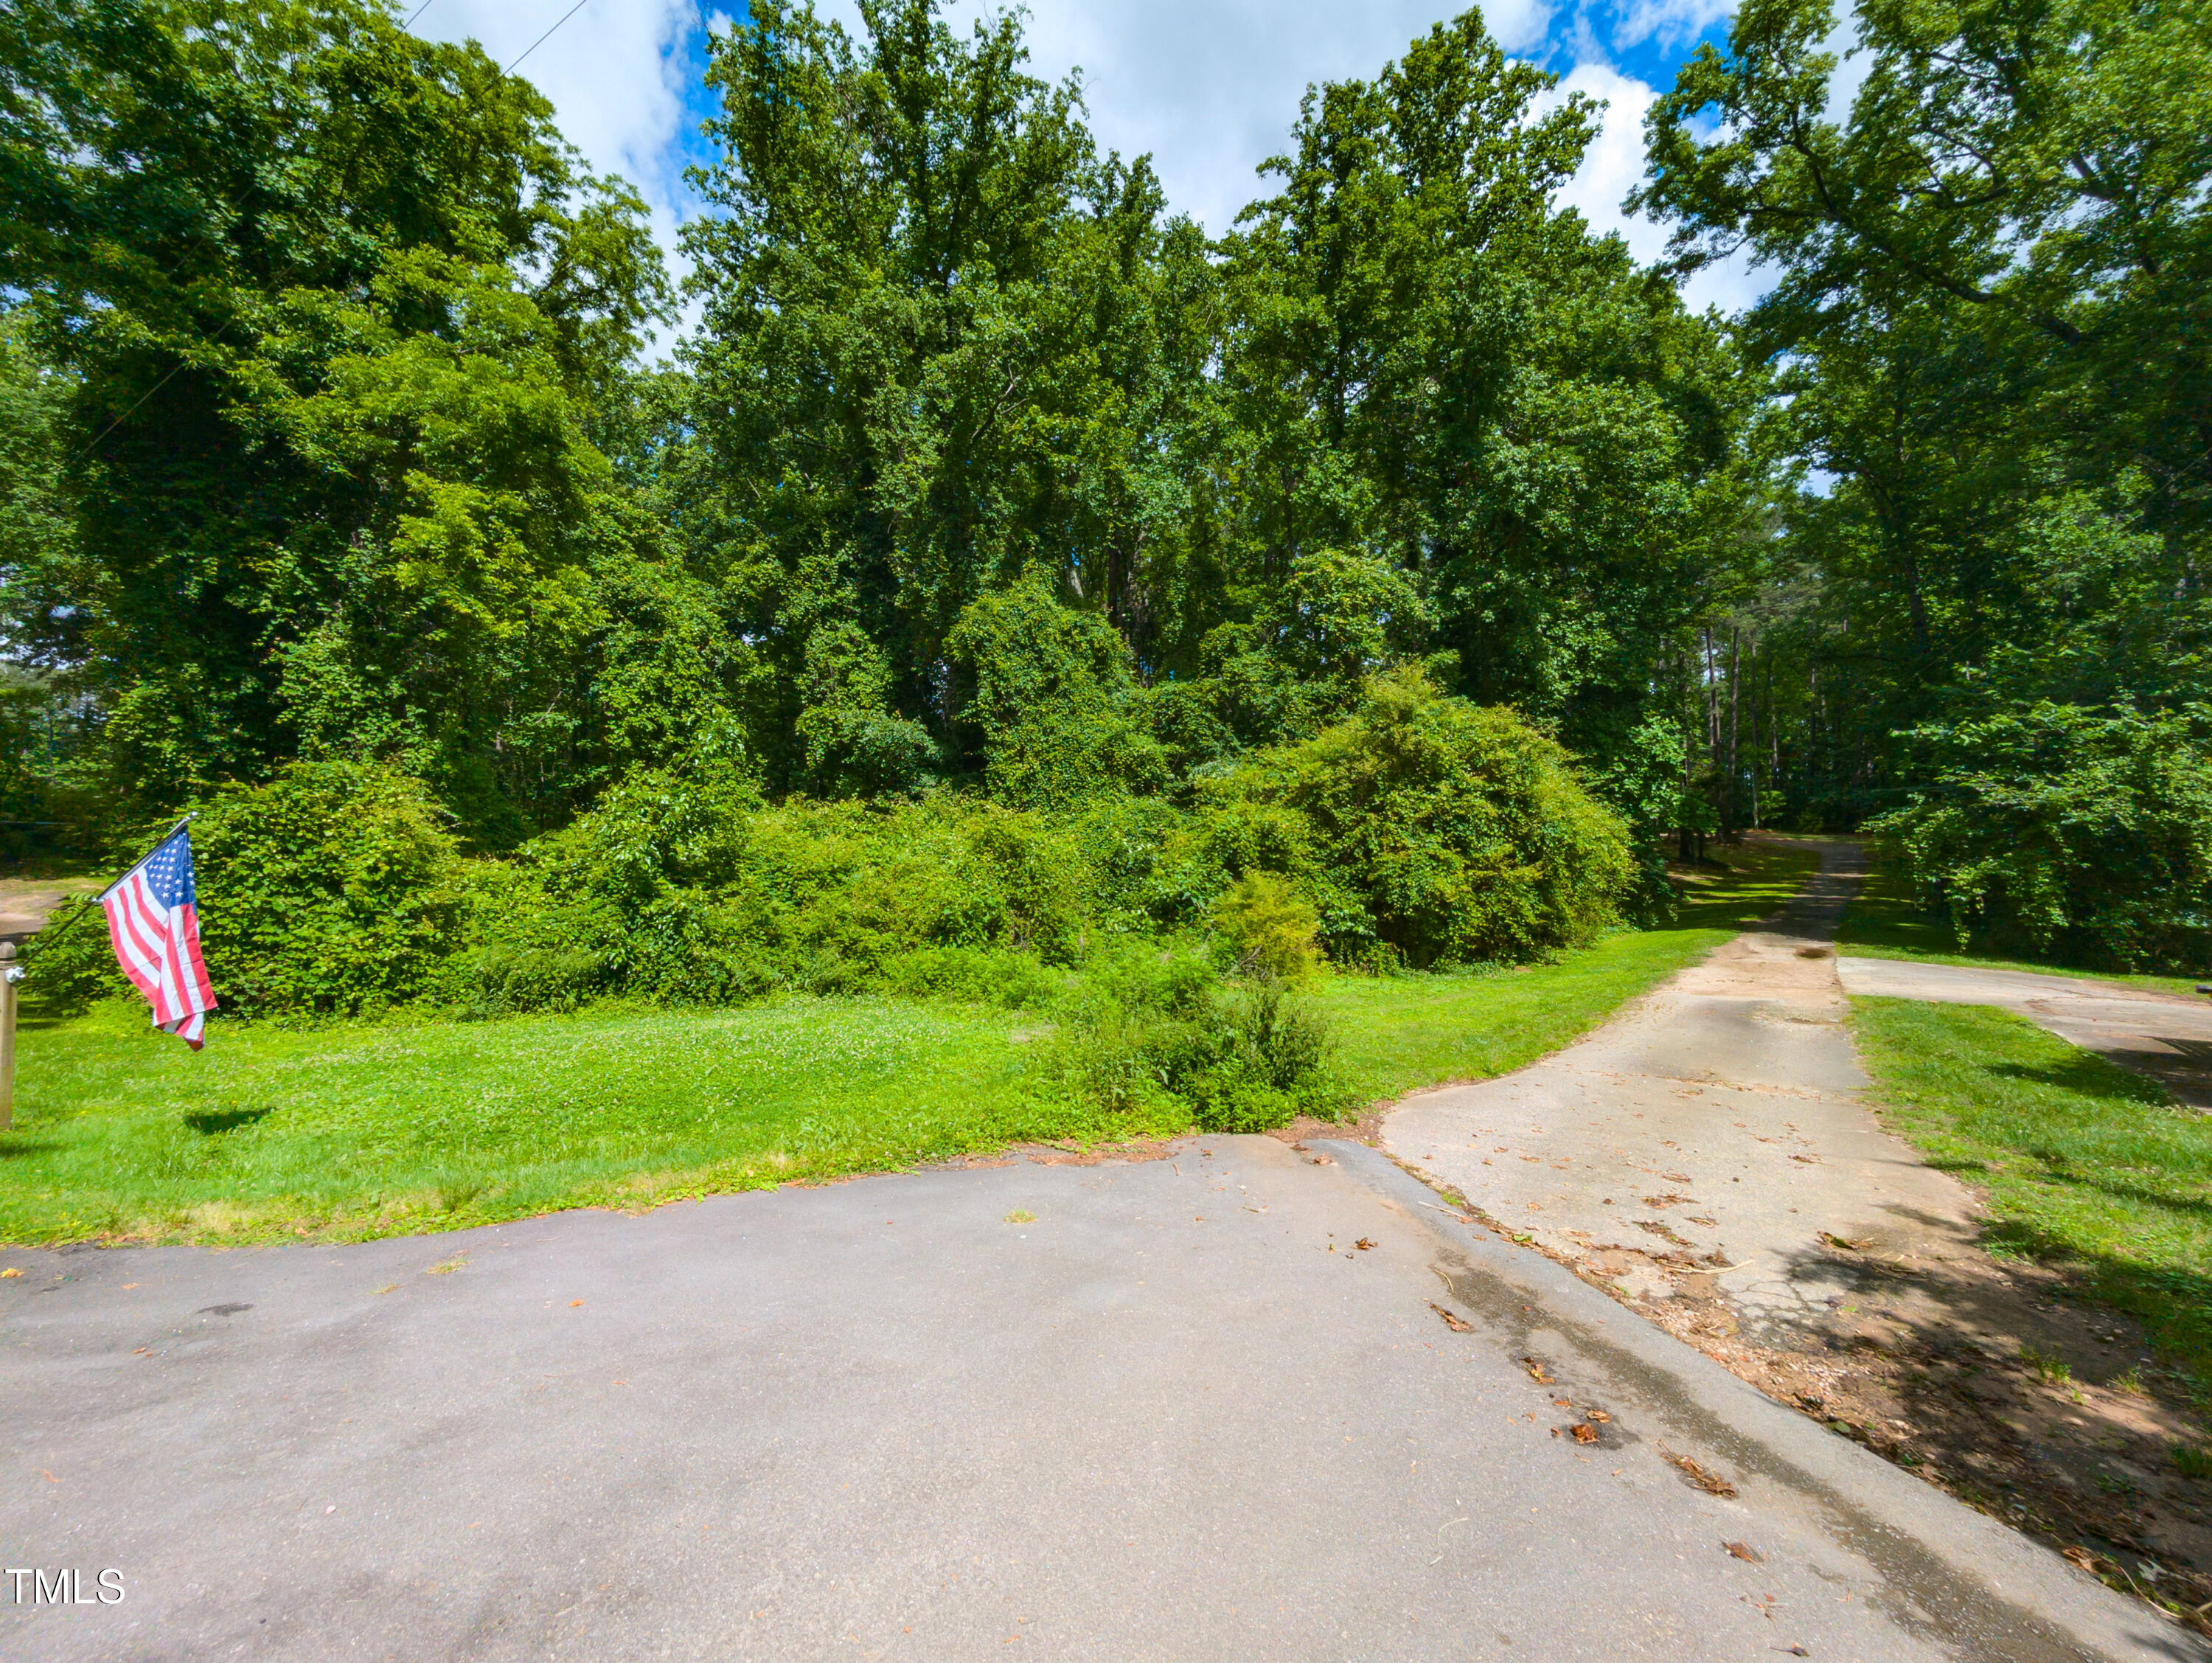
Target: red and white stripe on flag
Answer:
pixel 154 923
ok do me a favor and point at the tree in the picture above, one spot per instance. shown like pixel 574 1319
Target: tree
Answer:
pixel 336 305
pixel 1992 321
pixel 945 345
pixel 1430 365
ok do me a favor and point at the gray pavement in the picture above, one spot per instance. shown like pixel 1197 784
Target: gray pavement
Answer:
pixel 1180 1413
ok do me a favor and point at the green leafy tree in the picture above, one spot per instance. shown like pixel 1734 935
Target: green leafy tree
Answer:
pixel 1429 364
pixel 945 345
pixel 1991 321
pixel 335 305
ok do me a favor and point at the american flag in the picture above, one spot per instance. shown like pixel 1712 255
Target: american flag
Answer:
pixel 156 932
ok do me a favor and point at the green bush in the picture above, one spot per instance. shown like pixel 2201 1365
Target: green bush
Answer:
pixel 695 891
pixel 1420 827
pixel 2078 833
pixel 1147 1029
pixel 1268 927
pixel 1050 700
pixel 333 890
pixel 1446 831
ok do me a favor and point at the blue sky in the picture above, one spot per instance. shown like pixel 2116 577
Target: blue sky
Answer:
pixel 1209 87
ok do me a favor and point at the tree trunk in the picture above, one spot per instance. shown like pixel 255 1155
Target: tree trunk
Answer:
pixel 1712 702
pixel 1735 671
pixel 1686 833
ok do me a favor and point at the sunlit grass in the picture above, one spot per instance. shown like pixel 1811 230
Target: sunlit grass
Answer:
pixel 370 1130
pixel 2081 1162
pixel 375 1130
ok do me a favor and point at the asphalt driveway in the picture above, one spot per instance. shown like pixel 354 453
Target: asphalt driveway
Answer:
pixel 1181 1412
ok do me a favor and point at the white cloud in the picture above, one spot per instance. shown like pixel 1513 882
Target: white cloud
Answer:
pixel 608 70
pixel 1614 166
pixel 1210 88
pixel 1850 71
pixel 1670 22
pixel 617 83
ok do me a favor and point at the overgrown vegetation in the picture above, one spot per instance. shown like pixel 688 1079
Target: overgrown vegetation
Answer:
pixel 345 1129
pixel 1435 831
pixel 1009 594
pixel 2083 1164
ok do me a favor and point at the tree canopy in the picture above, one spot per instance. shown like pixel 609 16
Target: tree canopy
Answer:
pixel 328 434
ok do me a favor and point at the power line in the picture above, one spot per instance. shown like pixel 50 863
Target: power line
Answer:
pixel 151 391
pixel 225 330
pixel 543 38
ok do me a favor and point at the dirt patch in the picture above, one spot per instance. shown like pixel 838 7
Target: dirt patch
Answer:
pixel 1987 1378
pixel 1367 1129
pixel 25 902
pixel 1068 1154
pixel 1988 1381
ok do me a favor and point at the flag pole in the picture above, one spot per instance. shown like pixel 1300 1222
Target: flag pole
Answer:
pixel 145 857
pixel 86 910
pixel 10 973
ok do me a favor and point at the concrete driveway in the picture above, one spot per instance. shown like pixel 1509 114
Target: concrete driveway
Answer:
pixel 1234 1405
pixel 1709 1138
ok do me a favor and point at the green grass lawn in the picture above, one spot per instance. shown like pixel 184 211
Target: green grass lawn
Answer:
pixel 2083 1163
pixel 121 1134
pixel 1883 922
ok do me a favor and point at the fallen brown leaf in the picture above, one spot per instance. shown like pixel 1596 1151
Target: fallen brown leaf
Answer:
pixel 1563 1402
pixel 1363 1243
pixel 1744 1550
pixel 1585 1434
pixel 1703 1477
pixel 1536 1371
pixel 1599 1415
pixel 1858 1247
pixel 10 1271
pixel 573 1303
pixel 1451 1321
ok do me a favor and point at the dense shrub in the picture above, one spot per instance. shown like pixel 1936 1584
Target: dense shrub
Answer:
pixel 1050 701
pixel 2081 833
pixel 333 890
pixel 1267 927
pixel 1439 830
pixel 692 889
pixel 1145 1028
pixel 1160 939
